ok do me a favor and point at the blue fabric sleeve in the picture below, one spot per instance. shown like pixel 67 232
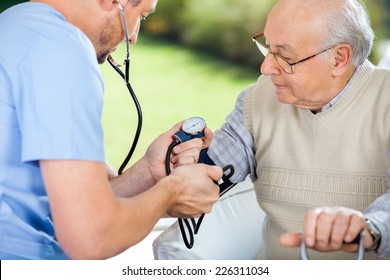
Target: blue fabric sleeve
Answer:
pixel 60 116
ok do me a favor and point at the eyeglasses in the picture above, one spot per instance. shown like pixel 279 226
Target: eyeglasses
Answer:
pixel 283 63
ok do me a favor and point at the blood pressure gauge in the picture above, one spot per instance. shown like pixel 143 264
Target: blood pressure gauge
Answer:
pixel 191 128
pixel 193 125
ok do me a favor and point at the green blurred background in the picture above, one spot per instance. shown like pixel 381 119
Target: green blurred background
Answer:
pixel 223 27
pixel 193 57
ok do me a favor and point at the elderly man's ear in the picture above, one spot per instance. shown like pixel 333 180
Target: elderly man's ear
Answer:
pixel 342 58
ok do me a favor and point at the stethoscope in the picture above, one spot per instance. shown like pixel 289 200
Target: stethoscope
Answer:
pixel 191 128
pixel 125 77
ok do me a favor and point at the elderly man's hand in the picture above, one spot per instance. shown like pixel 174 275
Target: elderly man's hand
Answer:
pixel 330 229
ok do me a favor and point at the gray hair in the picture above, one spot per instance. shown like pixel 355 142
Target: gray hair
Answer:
pixel 347 22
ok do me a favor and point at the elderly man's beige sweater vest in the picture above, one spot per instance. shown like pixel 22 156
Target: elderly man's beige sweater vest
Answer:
pixel 335 158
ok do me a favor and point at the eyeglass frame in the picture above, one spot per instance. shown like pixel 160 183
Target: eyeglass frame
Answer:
pixel 291 64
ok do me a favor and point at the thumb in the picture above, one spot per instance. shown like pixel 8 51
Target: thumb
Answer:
pixel 214 172
pixel 175 128
pixel 290 239
pixel 208 136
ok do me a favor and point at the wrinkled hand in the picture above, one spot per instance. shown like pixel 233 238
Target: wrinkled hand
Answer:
pixel 195 190
pixel 330 229
pixel 183 154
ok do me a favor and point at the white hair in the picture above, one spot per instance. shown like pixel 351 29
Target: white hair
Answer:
pixel 347 22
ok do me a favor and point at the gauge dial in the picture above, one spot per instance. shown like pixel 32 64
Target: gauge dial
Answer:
pixel 193 125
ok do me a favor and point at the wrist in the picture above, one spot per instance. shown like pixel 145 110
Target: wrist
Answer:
pixel 169 187
pixel 153 170
pixel 142 166
pixel 375 235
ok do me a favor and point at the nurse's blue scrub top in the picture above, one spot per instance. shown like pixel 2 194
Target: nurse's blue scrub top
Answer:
pixel 51 98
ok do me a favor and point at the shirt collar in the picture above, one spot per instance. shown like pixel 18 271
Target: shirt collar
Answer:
pixel 341 94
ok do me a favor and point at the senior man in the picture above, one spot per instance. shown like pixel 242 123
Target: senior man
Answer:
pixel 314 133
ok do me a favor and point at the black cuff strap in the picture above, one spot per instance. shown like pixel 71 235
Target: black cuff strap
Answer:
pixel 224 184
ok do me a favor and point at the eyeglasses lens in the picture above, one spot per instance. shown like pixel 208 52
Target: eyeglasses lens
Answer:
pixel 265 51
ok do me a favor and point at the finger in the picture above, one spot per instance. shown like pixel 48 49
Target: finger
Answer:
pixel 309 226
pixel 175 128
pixel 168 135
pixel 324 229
pixel 195 144
pixel 214 172
pixel 179 161
pixel 186 155
pixel 356 225
pixel 340 227
pixel 208 136
pixel 349 247
pixel 290 239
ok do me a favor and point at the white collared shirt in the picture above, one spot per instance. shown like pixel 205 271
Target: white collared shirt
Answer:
pixel 341 94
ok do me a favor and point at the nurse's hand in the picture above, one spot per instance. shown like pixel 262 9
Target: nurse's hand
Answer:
pixel 195 190
pixel 150 169
pixel 188 152
pixel 183 154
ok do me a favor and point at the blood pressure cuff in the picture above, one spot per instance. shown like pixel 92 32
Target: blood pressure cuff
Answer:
pixel 224 183
pixel 204 157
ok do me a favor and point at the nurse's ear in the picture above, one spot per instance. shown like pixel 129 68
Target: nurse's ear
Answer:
pixel 108 5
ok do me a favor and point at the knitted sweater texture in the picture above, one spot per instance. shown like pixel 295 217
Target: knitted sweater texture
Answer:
pixel 334 158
